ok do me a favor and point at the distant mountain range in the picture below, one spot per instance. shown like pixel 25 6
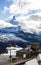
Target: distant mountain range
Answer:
pixel 16 34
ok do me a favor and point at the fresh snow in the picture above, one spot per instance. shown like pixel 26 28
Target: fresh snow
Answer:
pixel 39 57
pixel 32 62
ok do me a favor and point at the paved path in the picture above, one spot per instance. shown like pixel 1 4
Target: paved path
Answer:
pixel 3 59
pixel 20 61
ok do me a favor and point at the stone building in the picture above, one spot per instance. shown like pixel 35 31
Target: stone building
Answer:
pixel 24 53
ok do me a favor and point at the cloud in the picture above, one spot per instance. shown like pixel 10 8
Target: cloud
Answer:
pixel 10 17
pixel 5 24
pixel 14 9
pixel 35 18
pixel 19 7
pixel 24 6
pixel 29 25
pixel 5 10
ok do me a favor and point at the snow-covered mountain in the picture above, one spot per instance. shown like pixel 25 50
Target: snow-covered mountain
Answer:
pixel 13 27
pixel 10 33
pixel 14 21
pixel 13 31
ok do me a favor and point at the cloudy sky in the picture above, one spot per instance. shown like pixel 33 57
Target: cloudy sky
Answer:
pixel 19 8
pixel 28 12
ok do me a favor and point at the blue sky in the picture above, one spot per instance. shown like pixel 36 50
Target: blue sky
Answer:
pixel 4 3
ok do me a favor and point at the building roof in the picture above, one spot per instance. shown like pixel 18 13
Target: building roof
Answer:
pixel 14 48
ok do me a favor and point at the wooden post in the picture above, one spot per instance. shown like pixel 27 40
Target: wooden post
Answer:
pixel 10 55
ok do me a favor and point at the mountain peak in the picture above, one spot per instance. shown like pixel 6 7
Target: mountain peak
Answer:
pixel 14 21
pixel 14 18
